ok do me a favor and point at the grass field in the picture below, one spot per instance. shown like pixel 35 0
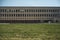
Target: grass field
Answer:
pixel 30 31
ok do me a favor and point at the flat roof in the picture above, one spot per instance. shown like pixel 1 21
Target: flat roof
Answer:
pixel 34 6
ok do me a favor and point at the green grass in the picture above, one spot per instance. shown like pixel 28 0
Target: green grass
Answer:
pixel 30 31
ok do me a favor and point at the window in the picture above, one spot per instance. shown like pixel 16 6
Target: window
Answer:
pixel 47 10
pixel 0 15
pixel 36 10
pixel 53 10
pixel 14 10
pixel 40 11
pixel 35 15
pixel 17 10
pixel 1 10
pixel 27 10
pixel 44 10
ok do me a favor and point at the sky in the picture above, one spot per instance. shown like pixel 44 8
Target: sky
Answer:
pixel 29 2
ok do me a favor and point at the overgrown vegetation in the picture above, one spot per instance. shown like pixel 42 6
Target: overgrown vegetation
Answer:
pixel 30 31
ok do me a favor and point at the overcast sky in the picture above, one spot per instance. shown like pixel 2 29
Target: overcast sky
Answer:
pixel 29 2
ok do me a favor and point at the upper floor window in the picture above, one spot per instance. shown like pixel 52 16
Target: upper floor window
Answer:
pixel 2 10
pixel 29 10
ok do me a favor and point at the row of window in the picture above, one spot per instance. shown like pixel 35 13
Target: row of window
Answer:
pixel 26 15
pixel 29 10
